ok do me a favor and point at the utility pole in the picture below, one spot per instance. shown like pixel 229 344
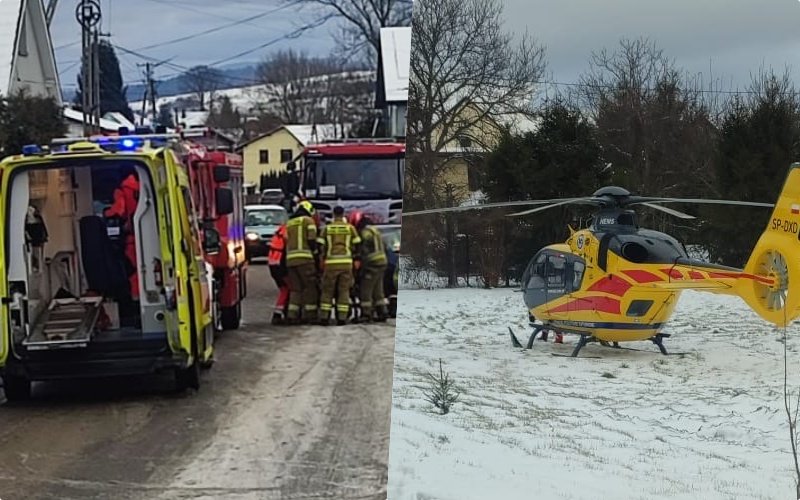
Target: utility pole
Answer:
pixel 150 90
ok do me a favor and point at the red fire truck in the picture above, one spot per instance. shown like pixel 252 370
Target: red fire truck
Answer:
pixel 209 173
pixel 358 174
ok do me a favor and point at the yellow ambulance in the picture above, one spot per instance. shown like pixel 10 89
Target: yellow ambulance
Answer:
pixel 85 292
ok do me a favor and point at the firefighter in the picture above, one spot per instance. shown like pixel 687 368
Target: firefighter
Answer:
pixel 126 199
pixel 339 240
pixel 301 236
pixel 277 268
pixel 372 269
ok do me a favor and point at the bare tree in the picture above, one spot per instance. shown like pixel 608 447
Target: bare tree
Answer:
pixel 304 89
pixel 467 77
pixel 362 21
pixel 655 128
pixel 202 81
pixel 792 409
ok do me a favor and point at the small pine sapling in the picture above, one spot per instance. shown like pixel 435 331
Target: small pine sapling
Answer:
pixel 441 391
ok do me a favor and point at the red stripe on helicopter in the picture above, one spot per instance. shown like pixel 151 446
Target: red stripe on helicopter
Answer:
pixel 760 279
pixel 611 285
pixel 696 275
pixel 602 304
pixel 643 276
pixel 673 273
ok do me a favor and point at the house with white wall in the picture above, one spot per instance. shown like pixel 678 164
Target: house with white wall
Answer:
pixel 27 59
pixel 391 96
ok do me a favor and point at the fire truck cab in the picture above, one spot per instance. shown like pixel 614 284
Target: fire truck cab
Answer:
pixel 358 174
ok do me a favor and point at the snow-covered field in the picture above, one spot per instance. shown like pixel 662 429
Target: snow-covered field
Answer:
pixel 631 425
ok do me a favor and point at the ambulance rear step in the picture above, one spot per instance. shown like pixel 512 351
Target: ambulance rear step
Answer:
pixel 67 323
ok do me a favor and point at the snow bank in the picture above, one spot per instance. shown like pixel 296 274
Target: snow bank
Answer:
pixel 632 425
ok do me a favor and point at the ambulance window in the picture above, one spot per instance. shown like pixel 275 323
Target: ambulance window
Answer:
pixel 193 226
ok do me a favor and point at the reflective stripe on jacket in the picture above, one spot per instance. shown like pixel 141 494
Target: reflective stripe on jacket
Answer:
pixel 339 238
pixel 277 246
pixel 300 232
pixel 372 247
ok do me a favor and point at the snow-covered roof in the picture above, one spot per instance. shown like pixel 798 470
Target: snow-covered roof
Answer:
pixel 119 119
pixel 194 119
pixel 77 116
pixel 10 14
pixel 305 134
pixel 396 54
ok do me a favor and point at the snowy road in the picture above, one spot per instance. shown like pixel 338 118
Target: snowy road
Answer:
pixel 632 425
pixel 284 413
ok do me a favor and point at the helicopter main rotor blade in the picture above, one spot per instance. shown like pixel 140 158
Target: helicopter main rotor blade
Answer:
pixel 577 201
pixel 640 200
pixel 483 206
pixel 666 210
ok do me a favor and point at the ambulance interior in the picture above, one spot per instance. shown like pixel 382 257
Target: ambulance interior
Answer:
pixel 69 278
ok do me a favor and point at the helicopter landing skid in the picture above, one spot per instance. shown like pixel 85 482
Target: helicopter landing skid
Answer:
pixel 657 339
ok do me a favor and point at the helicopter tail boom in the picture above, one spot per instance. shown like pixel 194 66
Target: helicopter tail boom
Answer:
pixel 775 256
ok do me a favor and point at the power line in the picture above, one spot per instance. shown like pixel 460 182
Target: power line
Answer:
pixel 213 30
pixel 184 6
pixel 293 34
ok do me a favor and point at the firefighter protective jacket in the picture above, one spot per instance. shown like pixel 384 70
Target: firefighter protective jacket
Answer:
pixel 373 250
pixel 339 239
pixel 301 232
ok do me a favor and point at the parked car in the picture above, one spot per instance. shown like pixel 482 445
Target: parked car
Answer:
pixel 261 222
pixel 391 240
pixel 272 197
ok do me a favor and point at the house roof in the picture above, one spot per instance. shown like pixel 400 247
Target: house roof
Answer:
pixel 120 119
pixel 77 116
pixel 10 14
pixel 395 60
pixel 304 133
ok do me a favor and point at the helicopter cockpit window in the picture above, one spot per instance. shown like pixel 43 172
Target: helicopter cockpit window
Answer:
pixel 577 274
pixel 536 277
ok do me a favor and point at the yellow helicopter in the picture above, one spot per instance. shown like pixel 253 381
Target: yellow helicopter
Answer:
pixel 616 282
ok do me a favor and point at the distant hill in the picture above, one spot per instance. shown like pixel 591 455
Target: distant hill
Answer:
pixel 235 75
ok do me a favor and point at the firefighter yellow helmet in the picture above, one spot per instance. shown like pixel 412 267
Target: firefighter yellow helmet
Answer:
pixel 307 206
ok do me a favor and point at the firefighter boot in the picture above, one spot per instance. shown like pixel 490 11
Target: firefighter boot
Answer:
pixel 382 314
pixel 278 319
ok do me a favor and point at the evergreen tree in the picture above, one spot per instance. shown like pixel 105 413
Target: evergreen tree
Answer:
pixel 759 139
pixel 27 119
pixel 165 118
pixel 562 158
pixel 112 89
pixel 225 118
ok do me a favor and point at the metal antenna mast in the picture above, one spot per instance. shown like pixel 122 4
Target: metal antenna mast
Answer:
pixel 88 16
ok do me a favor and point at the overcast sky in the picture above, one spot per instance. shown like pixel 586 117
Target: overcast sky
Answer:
pixel 136 24
pixel 734 36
